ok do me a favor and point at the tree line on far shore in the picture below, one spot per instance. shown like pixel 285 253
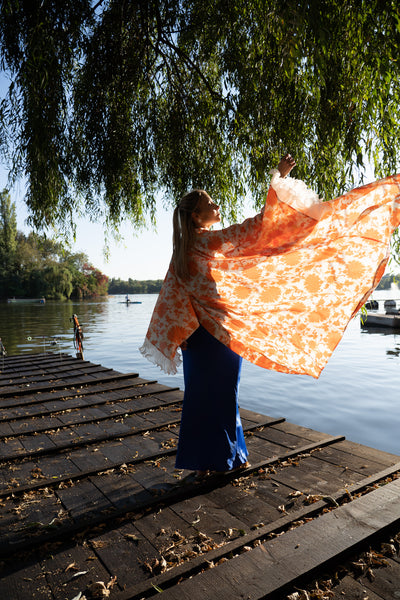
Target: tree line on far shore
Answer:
pixel 134 286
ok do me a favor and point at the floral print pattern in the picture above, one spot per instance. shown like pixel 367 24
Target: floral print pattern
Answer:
pixel 280 288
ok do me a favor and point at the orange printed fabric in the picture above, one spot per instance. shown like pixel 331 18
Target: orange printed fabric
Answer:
pixel 280 288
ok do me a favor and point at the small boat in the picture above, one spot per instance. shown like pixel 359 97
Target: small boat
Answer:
pixel 128 301
pixel 373 318
pixel 27 300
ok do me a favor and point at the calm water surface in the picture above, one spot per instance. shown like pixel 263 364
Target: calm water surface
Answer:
pixel 357 395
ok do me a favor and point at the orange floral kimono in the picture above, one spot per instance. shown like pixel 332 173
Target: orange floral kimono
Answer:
pixel 280 288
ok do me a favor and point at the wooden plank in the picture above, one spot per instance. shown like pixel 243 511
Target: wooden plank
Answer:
pixel 315 477
pixel 86 459
pixel 341 457
pixel 124 556
pixel 27 517
pixel 254 417
pixel 32 425
pixel 16 475
pixel 10 448
pixel 83 499
pixel 6 429
pixel 386 582
pixel 50 374
pixel 85 395
pixel 302 552
pixel 368 453
pixel 276 436
pixel 259 449
pixel 349 589
pixel 21 580
pixel 59 572
pixel 59 401
pixel 121 489
pixel 153 478
pixel 206 516
pixel 116 452
pixel 15 391
pixel 159 527
pixel 304 432
pixel 60 467
pixel 37 442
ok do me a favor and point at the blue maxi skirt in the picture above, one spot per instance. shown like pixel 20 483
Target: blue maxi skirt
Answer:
pixel 211 434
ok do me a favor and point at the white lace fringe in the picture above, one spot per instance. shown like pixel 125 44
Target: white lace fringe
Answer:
pixel 152 354
pixel 294 192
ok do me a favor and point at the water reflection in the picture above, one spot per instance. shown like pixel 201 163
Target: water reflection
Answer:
pixel 37 327
pixel 391 337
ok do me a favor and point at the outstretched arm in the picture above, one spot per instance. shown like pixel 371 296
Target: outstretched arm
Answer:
pixel 286 164
pixel 295 193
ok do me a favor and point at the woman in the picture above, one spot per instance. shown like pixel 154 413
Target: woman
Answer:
pixel 278 290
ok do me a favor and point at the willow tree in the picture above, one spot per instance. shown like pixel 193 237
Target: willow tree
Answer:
pixel 113 101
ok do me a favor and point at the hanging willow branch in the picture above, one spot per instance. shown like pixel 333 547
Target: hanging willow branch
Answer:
pixel 112 102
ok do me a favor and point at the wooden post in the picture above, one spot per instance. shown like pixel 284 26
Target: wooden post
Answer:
pixel 78 337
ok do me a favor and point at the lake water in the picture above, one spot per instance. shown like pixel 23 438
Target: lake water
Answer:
pixel 357 395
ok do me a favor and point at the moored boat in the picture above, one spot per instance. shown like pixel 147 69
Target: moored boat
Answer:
pixel 390 318
pixel 27 300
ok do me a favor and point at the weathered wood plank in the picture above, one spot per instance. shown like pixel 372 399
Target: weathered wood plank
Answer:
pixel 61 566
pixel 386 582
pixel 349 589
pixel 50 374
pixel 209 518
pixel 83 499
pixel 278 563
pixel 121 489
pixel 16 391
pixel 24 580
pixel 316 477
pixel 124 556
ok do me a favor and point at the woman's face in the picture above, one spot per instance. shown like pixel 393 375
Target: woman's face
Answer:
pixel 206 213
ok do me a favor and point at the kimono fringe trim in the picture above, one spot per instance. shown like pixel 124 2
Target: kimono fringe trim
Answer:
pixel 156 357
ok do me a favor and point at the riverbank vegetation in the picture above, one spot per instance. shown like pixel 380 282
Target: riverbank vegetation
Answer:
pixel 134 286
pixel 35 266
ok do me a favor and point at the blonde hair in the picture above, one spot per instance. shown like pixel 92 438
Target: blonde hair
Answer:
pixel 184 231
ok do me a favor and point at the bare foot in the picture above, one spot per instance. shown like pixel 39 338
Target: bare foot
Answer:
pixel 286 164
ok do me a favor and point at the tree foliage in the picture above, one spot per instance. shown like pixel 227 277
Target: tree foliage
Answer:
pixel 112 101
pixel 134 286
pixel 35 266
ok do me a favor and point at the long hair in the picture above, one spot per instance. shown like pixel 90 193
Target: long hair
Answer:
pixel 184 231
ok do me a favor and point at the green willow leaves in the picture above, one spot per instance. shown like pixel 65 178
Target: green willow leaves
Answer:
pixel 111 102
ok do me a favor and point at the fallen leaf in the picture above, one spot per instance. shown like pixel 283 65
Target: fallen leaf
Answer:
pixel 132 537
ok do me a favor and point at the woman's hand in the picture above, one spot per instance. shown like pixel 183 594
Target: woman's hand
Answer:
pixel 286 164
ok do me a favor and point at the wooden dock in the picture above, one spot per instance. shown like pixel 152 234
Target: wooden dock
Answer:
pixel 92 506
